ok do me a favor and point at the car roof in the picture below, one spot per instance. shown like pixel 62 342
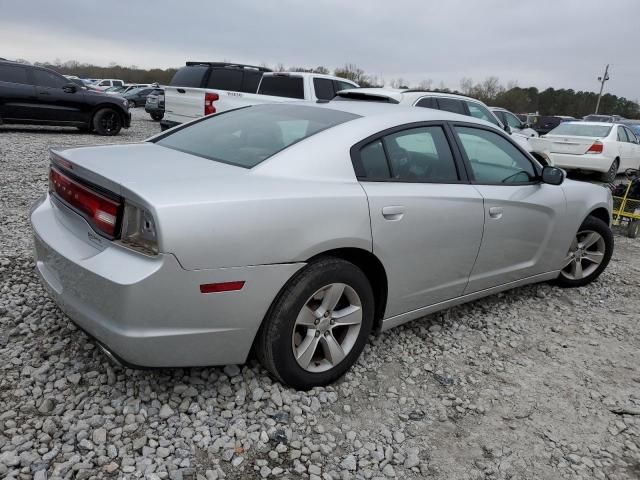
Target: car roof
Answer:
pixel 599 124
pixel 398 94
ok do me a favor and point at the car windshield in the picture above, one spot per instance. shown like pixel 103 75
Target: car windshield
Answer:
pixel 581 130
pixel 247 136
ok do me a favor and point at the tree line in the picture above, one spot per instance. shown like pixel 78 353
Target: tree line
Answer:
pixel 512 97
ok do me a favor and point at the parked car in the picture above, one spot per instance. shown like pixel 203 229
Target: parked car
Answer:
pixel 603 118
pixel 107 83
pixel 459 104
pixel 37 95
pixel 214 238
pixel 155 104
pixel 137 96
pixel 515 124
pixel 594 146
pixel 199 89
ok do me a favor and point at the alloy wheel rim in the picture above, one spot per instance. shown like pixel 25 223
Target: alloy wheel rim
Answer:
pixel 327 327
pixel 585 255
pixel 110 121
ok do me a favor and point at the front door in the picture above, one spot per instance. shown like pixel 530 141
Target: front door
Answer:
pixel 426 221
pixel 521 213
pixel 54 104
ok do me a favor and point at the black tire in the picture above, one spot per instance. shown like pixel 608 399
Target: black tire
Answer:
pixel 132 104
pixel 157 116
pixel 273 343
pixel 596 225
pixel 610 175
pixel 633 229
pixel 107 121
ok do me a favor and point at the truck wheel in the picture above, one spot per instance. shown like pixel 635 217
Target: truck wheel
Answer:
pixel 319 324
pixel 107 122
pixel 157 116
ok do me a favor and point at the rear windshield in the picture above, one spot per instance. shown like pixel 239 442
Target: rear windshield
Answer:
pixel 581 130
pixel 191 76
pixel 282 86
pixel 248 136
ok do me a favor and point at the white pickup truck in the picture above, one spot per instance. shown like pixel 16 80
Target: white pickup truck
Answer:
pixel 203 88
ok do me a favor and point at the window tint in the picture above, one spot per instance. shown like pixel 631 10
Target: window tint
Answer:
pixel 493 158
pixel 324 88
pixel 44 78
pixel 427 102
pixel 417 154
pixel 251 80
pixel 373 162
pixel 282 86
pixel 622 136
pixel 191 76
pixel 478 111
pixel 338 85
pixel 451 105
pixel 247 136
pixel 13 74
pixel 118 83
pixel 512 120
pixel 225 79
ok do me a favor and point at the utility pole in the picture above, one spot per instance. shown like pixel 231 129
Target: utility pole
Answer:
pixel 602 79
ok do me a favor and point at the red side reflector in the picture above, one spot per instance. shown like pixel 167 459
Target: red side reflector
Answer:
pixel 597 147
pixel 221 287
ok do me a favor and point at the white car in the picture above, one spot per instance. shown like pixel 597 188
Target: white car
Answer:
pixel 451 103
pixel 108 83
pixel 602 147
pixel 510 119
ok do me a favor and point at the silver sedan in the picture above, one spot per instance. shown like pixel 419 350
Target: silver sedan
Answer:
pixel 296 230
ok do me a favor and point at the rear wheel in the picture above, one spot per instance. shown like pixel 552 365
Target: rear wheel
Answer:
pixel 157 116
pixel 610 175
pixel 107 122
pixel 318 326
pixel 633 229
pixel 588 255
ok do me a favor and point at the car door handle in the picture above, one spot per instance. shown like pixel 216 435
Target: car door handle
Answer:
pixel 180 90
pixel 393 212
pixel 495 212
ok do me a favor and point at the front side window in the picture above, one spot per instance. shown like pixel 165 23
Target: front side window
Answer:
pixel 118 83
pixel 512 120
pixel 418 154
pixel 13 74
pixel 478 111
pixel 104 83
pixel 247 136
pixel 47 79
pixel 427 102
pixel 493 158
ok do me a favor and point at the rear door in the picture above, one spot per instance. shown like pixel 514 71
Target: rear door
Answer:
pixel 521 214
pixel 625 148
pixel 17 94
pixel 634 148
pixel 426 220
pixel 55 104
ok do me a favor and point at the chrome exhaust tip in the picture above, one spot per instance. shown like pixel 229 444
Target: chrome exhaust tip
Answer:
pixel 110 356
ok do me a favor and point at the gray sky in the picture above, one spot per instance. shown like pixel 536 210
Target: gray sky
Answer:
pixel 559 43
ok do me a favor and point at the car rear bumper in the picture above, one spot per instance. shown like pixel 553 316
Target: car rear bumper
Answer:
pixel 153 109
pixel 149 311
pixel 595 163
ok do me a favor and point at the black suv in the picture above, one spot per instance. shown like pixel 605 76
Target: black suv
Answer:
pixel 39 96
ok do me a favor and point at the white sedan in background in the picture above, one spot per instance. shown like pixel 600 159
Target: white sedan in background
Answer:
pixel 594 146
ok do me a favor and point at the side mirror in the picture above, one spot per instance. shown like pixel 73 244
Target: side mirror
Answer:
pixel 70 88
pixel 552 175
pixel 508 129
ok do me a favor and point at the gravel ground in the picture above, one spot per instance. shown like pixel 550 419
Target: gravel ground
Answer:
pixel 536 383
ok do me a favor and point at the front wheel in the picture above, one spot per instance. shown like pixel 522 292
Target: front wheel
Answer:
pixel 588 255
pixel 107 122
pixel 318 326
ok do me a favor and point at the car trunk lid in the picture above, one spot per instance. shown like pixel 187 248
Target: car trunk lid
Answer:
pixel 570 145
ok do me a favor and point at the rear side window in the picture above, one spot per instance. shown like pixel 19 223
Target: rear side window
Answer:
pixel 418 154
pixel 282 86
pixel 251 80
pixel 452 105
pixel 323 88
pixel 622 135
pixel 47 79
pixel 191 76
pixel 225 79
pixel 247 136
pixel 13 74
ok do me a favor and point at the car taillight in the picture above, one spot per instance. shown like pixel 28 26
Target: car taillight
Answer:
pixel 597 147
pixel 100 211
pixel 209 98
